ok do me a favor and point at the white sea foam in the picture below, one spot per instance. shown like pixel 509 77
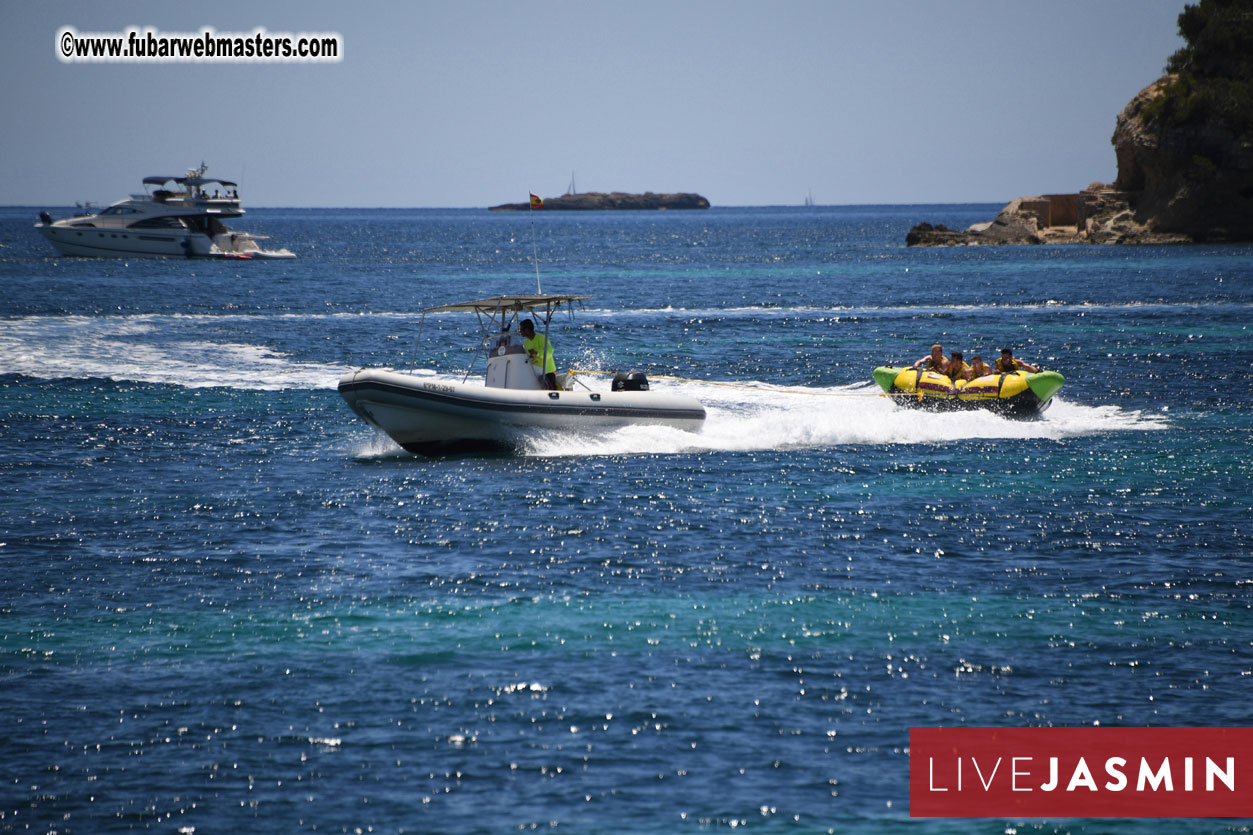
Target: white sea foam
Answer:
pixel 747 417
pixel 150 349
pixel 378 445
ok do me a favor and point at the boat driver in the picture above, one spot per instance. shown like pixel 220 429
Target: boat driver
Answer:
pixel 935 360
pixel 540 351
pixel 1007 363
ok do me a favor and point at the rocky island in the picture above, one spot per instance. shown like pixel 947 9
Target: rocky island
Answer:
pixel 1184 147
pixel 593 200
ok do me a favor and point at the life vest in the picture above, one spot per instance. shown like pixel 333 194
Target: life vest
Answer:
pixel 542 349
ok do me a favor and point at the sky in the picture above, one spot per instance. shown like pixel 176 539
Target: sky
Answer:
pixel 473 103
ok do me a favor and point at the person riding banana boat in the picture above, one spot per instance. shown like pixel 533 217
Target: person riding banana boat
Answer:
pixel 1011 386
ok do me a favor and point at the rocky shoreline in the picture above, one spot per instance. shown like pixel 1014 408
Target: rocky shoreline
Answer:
pixel 595 200
pixel 1109 217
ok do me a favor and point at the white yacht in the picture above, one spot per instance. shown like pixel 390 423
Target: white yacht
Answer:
pixel 175 217
pixel 431 416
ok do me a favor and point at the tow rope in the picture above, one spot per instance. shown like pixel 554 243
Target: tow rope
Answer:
pixel 748 387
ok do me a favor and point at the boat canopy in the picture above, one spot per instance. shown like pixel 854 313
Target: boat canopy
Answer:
pixel 190 181
pixel 506 304
pixel 200 181
pixel 497 314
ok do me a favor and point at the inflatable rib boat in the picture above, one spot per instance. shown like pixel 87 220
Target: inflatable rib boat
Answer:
pixel 430 417
pixel 1018 394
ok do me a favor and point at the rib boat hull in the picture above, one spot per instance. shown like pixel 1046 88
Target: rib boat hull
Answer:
pixel 430 417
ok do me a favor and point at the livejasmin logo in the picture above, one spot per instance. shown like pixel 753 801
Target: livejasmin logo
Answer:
pixel 1081 772
pixel 1081 777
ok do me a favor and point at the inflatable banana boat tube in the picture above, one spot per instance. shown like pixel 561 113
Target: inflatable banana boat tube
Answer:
pixel 1018 394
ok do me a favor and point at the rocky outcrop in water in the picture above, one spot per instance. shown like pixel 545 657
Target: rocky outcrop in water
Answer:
pixel 1011 226
pixel 1102 215
pixel 594 200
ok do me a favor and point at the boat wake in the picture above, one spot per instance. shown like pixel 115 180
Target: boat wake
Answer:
pixel 158 349
pixel 748 417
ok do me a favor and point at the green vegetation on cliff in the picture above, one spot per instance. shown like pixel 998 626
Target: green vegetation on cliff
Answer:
pixel 1212 75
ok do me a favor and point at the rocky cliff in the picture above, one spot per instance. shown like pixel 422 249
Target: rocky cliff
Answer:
pixel 593 200
pixel 1184 147
pixel 1192 177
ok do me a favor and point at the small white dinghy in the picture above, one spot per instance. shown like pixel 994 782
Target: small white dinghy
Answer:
pixel 430 417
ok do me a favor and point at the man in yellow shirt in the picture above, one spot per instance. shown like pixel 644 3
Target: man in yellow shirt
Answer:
pixel 540 352
pixel 935 360
pixel 1009 363
pixel 956 368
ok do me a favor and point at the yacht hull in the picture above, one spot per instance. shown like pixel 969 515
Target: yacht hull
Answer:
pixel 430 418
pixel 123 243
pixel 95 242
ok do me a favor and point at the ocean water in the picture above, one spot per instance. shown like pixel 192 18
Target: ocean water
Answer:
pixel 226 604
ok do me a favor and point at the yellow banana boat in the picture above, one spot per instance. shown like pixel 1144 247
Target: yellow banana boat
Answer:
pixel 1014 394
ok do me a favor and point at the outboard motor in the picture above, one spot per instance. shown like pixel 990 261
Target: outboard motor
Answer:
pixel 45 218
pixel 630 381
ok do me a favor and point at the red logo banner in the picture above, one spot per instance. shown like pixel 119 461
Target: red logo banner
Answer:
pixel 1081 772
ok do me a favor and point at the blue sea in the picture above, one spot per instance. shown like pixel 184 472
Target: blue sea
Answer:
pixel 228 605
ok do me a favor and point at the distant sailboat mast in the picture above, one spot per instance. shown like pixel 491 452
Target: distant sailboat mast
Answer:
pixel 570 191
pixel 809 198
